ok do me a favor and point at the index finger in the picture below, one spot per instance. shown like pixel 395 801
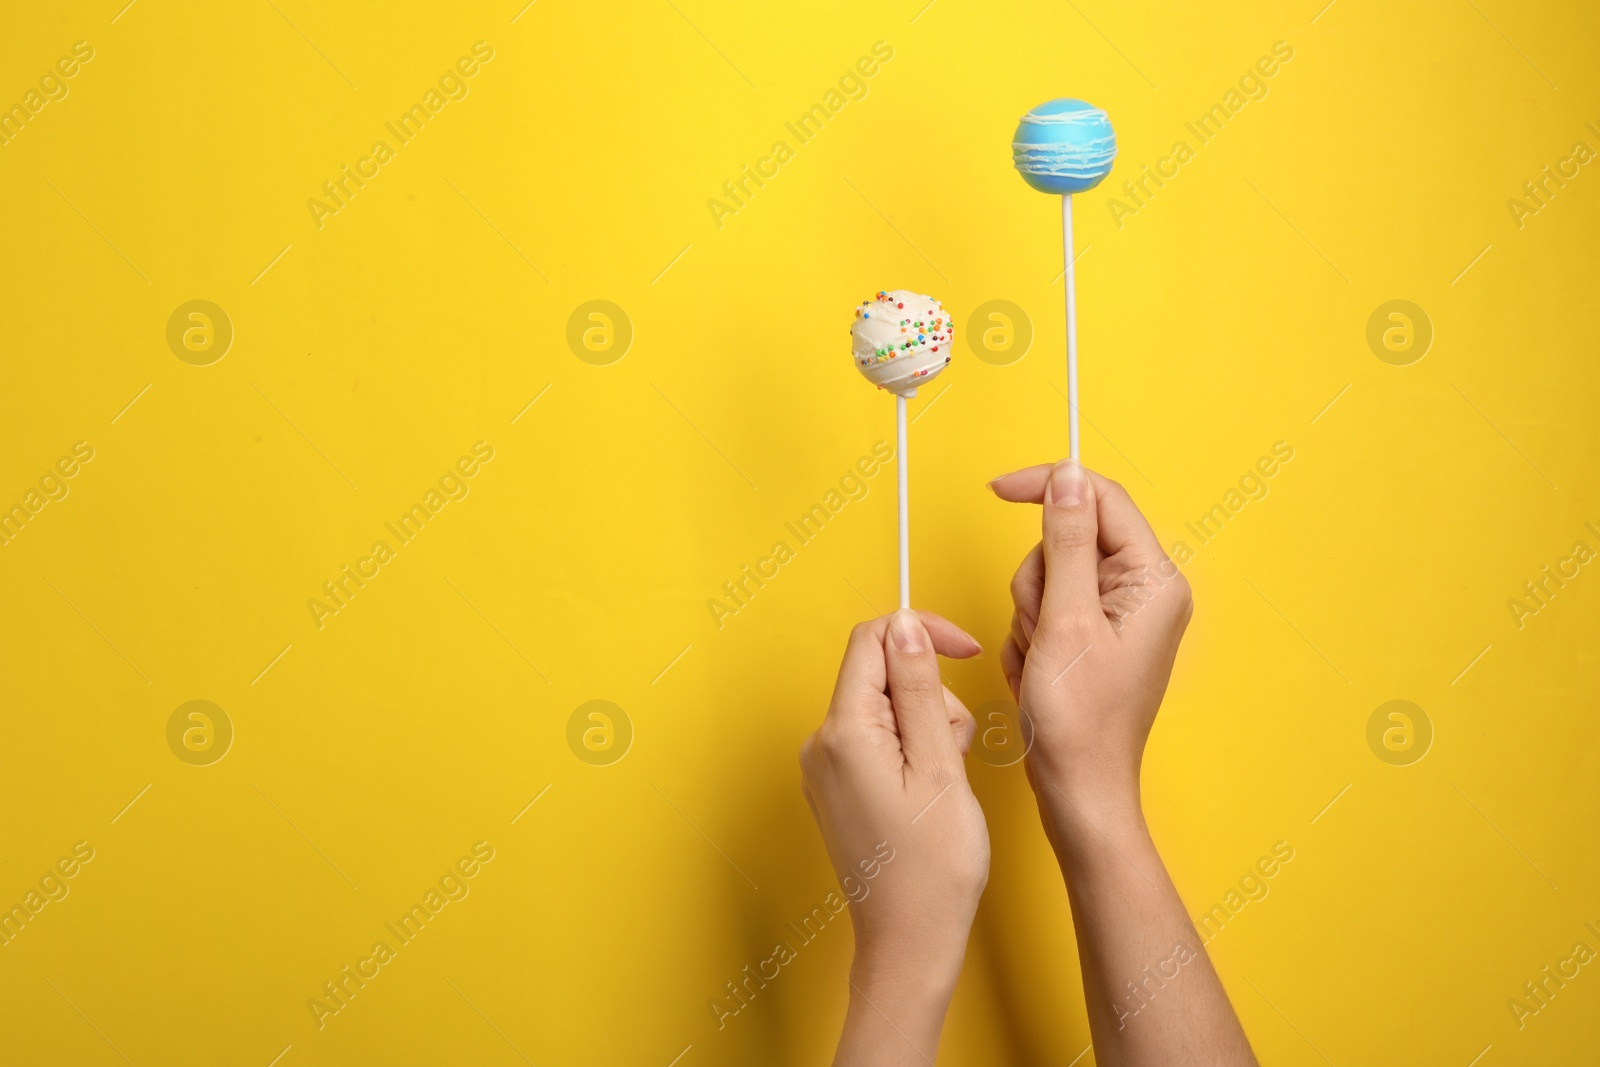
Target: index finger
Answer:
pixel 1122 525
pixel 865 672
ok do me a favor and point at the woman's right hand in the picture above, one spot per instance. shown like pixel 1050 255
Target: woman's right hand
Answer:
pixel 1099 612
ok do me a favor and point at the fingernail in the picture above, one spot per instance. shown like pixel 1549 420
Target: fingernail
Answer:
pixel 908 634
pixel 1068 487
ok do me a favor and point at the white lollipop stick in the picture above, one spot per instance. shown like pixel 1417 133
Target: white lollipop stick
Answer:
pixel 1072 327
pixel 900 341
pixel 905 504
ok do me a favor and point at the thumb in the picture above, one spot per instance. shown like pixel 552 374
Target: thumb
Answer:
pixel 1071 550
pixel 917 694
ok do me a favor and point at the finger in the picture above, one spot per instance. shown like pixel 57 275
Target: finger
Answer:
pixel 917 694
pixel 1071 556
pixel 949 640
pixel 1027 590
pixel 1123 526
pixel 1020 635
pixel 805 791
pixel 1011 661
pixel 1025 486
pixel 963 727
pixel 864 673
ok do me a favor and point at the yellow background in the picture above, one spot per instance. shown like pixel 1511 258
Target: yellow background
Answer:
pixel 424 316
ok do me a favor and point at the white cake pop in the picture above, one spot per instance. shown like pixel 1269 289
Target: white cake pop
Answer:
pixel 901 340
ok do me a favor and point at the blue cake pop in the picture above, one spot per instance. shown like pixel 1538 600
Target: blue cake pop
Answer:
pixel 1064 146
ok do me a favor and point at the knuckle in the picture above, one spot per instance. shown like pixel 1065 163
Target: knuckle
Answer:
pixel 1022 630
pixel 1065 631
pixel 1011 654
pixel 1069 532
pixel 808 753
pixel 1119 493
pixel 1021 588
pixel 1181 595
pixel 918 686
pixel 1175 605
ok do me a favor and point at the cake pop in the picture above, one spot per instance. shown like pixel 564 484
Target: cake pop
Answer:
pixel 901 340
pixel 1065 146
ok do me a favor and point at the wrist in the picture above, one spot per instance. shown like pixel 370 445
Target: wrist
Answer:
pixel 890 1027
pixel 1078 807
pixel 896 1013
pixel 923 974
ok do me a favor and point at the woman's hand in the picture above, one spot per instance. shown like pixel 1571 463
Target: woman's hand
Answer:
pixel 1100 610
pixel 1091 648
pixel 885 780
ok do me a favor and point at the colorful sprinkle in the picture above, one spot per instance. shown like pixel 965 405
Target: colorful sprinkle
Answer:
pixel 920 339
